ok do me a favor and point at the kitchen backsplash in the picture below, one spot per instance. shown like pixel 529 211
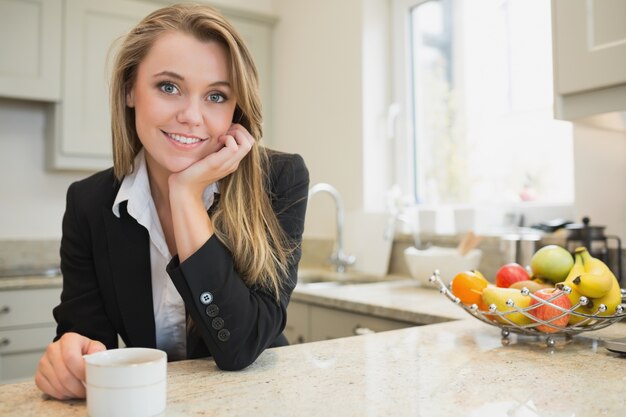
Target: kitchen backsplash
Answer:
pixel 315 252
pixel 29 254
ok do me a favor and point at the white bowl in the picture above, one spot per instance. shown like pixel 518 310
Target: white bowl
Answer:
pixel 449 262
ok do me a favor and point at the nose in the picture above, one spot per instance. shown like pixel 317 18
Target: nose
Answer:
pixel 190 113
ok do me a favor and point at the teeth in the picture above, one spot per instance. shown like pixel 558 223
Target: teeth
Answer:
pixel 184 139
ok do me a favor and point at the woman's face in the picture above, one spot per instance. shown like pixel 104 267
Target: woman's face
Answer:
pixel 183 101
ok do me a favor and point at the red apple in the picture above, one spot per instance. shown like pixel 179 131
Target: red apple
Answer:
pixel 510 273
pixel 547 313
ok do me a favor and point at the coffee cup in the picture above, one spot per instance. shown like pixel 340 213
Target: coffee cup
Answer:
pixel 128 382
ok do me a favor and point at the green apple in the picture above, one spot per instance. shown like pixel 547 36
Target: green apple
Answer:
pixel 551 263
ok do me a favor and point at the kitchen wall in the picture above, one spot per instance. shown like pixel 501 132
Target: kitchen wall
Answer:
pixel 317 98
pixel 600 177
pixel 32 200
pixel 259 6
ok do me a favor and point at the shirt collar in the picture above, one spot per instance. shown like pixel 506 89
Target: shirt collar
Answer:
pixel 135 189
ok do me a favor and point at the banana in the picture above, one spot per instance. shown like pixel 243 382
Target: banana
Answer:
pixel 613 297
pixel 499 297
pixel 593 285
pixel 577 270
pixel 611 300
pixel 593 265
pixel 574 296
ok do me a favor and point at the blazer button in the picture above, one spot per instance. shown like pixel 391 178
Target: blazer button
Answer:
pixel 217 323
pixel 212 310
pixel 223 335
pixel 206 298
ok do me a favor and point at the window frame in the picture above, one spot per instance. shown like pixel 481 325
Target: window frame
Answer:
pixel 403 133
pixel 404 147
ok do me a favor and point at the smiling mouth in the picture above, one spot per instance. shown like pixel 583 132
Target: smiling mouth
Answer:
pixel 185 140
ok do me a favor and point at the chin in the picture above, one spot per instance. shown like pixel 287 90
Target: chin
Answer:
pixel 179 164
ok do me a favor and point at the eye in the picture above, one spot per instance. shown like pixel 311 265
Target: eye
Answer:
pixel 168 88
pixel 216 97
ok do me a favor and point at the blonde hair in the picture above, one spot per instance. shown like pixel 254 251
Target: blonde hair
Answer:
pixel 244 220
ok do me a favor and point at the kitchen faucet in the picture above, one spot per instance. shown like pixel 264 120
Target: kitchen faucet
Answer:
pixel 338 258
pixel 400 218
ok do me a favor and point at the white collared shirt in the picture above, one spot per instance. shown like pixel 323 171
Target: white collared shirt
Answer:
pixel 169 308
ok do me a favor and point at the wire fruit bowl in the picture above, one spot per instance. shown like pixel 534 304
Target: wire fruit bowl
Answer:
pixel 501 319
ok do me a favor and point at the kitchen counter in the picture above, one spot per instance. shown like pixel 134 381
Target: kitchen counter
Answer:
pixel 456 367
pixel 396 299
pixel 30 282
pixel 448 369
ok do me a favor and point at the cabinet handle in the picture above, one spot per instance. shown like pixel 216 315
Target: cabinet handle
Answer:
pixel 359 330
pixel 5 342
pixel 5 310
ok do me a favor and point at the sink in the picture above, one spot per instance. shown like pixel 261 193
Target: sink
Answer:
pixel 328 278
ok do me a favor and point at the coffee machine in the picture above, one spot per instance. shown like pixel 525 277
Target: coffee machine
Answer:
pixel 593 238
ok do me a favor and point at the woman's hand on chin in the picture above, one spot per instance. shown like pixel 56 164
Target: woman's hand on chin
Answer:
pixel 192 227
pixel 236 143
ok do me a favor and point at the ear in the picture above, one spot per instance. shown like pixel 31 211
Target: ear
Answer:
pixel 130 99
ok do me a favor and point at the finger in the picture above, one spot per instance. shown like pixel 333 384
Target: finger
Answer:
pixel 46 381
pixel 73 347
pixel 228 141
pixel 57 374
pixel 241 135
pixel 231 143
pixel 94 346
pixel 67 381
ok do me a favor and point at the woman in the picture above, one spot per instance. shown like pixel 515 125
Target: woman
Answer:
pixel 141 256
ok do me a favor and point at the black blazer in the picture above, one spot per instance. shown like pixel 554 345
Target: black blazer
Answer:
pixel 107 287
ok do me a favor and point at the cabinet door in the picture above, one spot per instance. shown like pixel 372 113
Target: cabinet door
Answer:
pixel 28 307
pixel 82 130
pixel 327 323
pixel 26 328
pixel 21 349
pixel 298 327
pixel 30 44
pixel 589 44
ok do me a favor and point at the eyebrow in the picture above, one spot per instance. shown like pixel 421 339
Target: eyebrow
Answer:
pixel 181 78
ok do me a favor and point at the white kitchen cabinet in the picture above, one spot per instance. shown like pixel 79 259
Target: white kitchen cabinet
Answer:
pixel 80 131
pixel 310 323
pixel 30 44
pixel 329 323
pixel 298 327
pixel 26 328
pixel 589 56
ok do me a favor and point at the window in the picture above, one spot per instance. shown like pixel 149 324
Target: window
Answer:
pixel 474 82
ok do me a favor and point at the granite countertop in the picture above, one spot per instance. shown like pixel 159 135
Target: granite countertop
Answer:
pixel 30 282
pixel 459 368
pixel 397 298
pixel 456 367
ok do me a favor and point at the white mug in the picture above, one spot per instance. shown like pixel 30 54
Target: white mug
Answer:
pixel 128 382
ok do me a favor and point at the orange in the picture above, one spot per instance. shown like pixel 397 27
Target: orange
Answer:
pixel 468 286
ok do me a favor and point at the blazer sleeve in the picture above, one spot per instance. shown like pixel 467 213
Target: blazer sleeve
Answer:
pixel 236 322
pixel 81 309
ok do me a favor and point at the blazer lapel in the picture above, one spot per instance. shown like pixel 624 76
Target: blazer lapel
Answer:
pixel 129 257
